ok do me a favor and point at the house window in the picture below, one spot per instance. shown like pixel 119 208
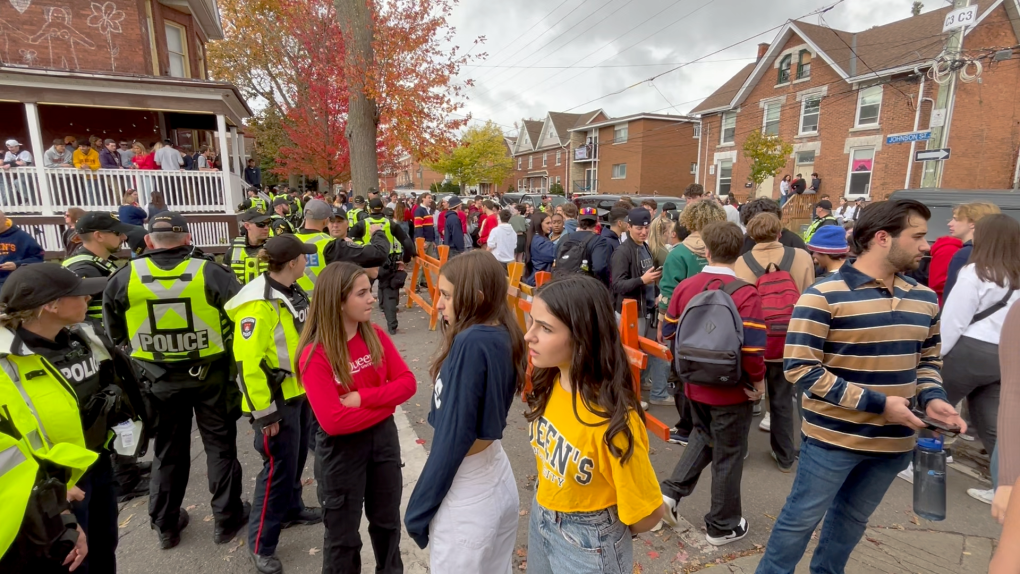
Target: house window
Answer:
pixel 784 69
pixel 694 167
pixel 770 126
pixel 809 110
pixel 519 161
pixel 559 153
pixel 201 60
pixel 725 176
pixel 869 104
pixel 803 65
pixel 806 157
pixel 620 134
pixel 545 159
pixel 729 127
pixel 557 180
pixel 697 131
pixel 531 161
pixel 177 49
pixel 620 171
pixel 862 161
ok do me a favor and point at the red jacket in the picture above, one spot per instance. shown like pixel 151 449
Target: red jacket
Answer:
pixel 146 161
pixel 488 223
pixel 381 387
pixel 941 253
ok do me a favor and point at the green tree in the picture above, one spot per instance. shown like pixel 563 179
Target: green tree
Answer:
pixel 555 189
pixel 481 157
pixel 915 9
pixel 767 155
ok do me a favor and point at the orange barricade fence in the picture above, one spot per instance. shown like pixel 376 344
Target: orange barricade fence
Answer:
pixel 430 266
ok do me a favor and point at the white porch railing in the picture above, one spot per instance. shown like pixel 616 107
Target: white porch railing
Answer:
pixel 51 191
pixel 204 234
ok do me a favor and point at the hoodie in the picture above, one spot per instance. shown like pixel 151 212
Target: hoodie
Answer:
pixel 941 253
pixel 685 260
pixel 956 263
pixel 18 247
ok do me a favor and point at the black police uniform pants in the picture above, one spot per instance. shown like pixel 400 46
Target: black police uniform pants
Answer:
pixel 389 295
pixel 97 516
pixel 217 411
pixel 358 470
pixel 277 496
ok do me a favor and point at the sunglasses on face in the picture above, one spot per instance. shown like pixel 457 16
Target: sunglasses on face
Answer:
pixel 261 224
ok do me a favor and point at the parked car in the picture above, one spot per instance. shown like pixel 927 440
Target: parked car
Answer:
pixel 942 201
pixel 531 199
pixel 603 203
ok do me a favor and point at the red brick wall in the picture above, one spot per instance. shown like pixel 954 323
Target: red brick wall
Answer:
pixel 658 155
pixel 553 170
pixel 100 36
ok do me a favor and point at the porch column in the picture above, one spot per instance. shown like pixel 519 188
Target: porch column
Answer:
pixel 38 149
pixel 235 151
pixel 221 134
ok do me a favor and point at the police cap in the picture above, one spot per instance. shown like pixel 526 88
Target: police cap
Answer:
pixel 35 285
pixel 286 247
pixel 168 221
pixel 100 221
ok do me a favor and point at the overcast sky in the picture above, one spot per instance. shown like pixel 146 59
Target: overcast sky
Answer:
pixel 637 38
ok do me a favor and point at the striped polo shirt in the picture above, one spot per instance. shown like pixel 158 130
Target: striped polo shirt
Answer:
pixel 852 343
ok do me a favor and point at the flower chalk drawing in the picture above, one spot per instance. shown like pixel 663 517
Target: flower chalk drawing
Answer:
pixel 106 17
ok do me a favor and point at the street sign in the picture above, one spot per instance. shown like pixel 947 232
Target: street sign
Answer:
pixel 931 154
pixel 938 119
pixel 919 136
pixel 961 18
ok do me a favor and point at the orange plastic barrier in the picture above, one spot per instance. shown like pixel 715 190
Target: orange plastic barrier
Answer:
pixel 430 266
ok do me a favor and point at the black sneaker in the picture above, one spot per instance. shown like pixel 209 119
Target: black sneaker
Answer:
pixel 266 564
pixel 779 465
pixel 170 538
pixel 306 517
pixel 737 534
pixel 676 438
pixel 226 531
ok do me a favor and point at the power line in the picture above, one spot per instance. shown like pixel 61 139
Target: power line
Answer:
pixel 532 27
pixel 607 66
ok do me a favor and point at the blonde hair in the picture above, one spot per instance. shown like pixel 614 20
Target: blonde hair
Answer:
pixel 973 212
pixel 657 234
pixel 764 227
pixel 14 319
pixel 695 217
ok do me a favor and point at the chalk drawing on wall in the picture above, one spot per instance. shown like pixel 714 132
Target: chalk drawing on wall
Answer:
pixel 21 5
pixel 7 31
pixel 58 30
pixel 106 18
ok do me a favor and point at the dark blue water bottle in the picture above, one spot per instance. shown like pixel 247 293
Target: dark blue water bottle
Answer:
pixel 930 479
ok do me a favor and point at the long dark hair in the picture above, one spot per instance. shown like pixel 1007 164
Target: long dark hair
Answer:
pixel 156 199
pixel 599 371
pixel 534 229
pixel 479 298
pixel 996 255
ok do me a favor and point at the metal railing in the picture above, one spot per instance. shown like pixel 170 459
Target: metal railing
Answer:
pixel 204 234
pixel 51 191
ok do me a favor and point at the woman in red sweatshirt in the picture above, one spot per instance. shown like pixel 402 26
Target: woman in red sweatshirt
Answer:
pixel 354 378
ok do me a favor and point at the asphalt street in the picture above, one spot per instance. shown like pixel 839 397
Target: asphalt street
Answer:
pixel 764 491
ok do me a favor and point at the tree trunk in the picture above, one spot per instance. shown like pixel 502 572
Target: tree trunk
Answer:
pixel 357 27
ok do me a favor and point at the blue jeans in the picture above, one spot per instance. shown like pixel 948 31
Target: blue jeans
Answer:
pixel 578 542
pixel 657 373
pixel 844 486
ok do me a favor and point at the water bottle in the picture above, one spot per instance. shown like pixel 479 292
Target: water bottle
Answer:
pixel 930 479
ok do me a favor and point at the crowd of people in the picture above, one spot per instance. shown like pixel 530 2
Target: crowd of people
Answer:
pixel 840 318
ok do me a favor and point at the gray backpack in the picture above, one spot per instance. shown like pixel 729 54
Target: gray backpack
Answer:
pixel 706 350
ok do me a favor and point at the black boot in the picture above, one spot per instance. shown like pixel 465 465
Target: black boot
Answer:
pixel 266 564
pixel 307 516
pixel 227 530
pixel 170 538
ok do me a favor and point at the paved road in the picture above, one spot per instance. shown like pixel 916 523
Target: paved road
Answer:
pixel 896 541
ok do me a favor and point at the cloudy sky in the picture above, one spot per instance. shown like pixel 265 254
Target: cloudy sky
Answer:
pixel 559 54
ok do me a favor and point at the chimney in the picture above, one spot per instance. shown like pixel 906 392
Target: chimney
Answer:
pixel 762 48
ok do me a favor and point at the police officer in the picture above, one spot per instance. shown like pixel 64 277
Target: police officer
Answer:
pixel 317 214
pixel 268 315
pixel 101 236
pixel 296 207
pixel 242 255
pixel 280 223
pixel 255 199
pixel 358 213
pixel 167 307
pixel 392 274
pixel 374 253
pixel 338 224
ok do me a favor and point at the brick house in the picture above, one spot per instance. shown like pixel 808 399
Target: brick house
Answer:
pixel 649 154
pixel 541 151
pixel 408 173
pixel 837 95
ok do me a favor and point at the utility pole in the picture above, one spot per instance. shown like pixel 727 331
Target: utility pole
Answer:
pixel 932 175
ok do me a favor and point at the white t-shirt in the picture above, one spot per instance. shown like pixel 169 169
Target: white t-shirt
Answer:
pixel 168 159
pixel 784 188
pixel 969 297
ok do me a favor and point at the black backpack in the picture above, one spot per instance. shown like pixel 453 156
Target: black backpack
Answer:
pixel 574 257
pixel 709 337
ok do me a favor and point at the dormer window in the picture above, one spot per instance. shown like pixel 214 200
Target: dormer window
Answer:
pixel 803 65
pixel 784 69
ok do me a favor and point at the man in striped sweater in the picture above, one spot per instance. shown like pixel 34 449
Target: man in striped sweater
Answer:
pixel 864 348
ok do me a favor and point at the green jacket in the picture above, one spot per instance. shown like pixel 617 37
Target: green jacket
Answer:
pixel 682 262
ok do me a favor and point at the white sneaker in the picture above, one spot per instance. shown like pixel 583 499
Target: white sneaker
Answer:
pixel 670 517
pixel 907 474
pixel 985 496
pixel 737 534
pixel 644 405
pixel 766 423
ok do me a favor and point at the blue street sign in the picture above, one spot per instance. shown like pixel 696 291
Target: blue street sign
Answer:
pixel 908 137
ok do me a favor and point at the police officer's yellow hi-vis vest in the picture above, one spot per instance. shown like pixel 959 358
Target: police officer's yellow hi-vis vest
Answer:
pixel 352 215
pixel 18 470
pixel 95 309
pixel 273 219
pixel 395 247
pixel 259 203
pixel 314 263
pixel 169 317
pixel 246 267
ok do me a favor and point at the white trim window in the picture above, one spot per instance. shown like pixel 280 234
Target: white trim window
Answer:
pixel 697 132
pixel 177 50
pixel 531 162
pixel 724 176
pixel 619 171
pixel 809 112
pixel 869 106
pixel 770 119
pixel 545 159
pixel 558 180
pixel 620 134
pixel 559 157
pixel 520 161
pixel 862 164
pixel 694 167
pixel 729 128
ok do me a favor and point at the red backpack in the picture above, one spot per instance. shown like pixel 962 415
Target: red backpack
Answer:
pixel 779 294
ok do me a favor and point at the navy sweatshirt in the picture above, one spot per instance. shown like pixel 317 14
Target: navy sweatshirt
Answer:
pixel 471 400
pixel 955 264
pixel 17 246
pixel 453 232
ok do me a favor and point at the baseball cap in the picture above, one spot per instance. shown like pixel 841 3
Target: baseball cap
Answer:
pixel 375 204
pixel 359 200
pixel 669 206
pixel 317 209
pixel 338 214
pixel 100 221
pixel 859 199
pixel 35 285
pixel 588 213
pixel 12 141
pixel 286 247
pixel 639 217
pixel 453 201
pixel 254 215
pixel 281 201
pixel 825 204
pixel 829 240
pixel 168 221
